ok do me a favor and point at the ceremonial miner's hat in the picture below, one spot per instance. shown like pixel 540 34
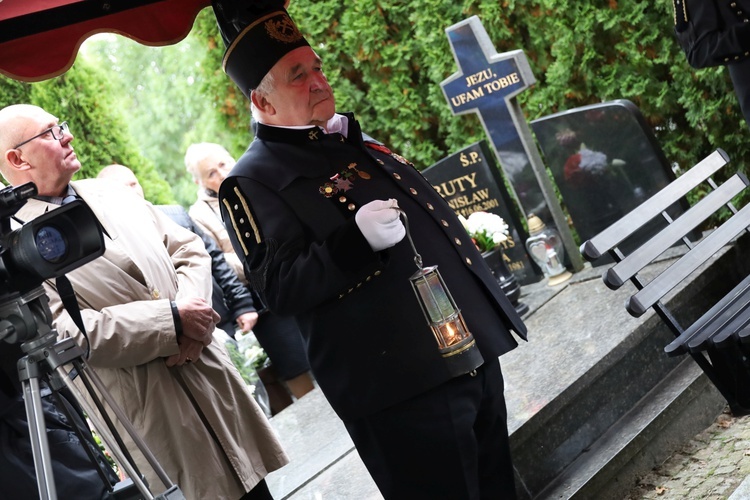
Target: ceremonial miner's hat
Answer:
pixel 257 33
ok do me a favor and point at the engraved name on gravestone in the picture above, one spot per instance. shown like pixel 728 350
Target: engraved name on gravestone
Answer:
pixel 470 181
pixel 487 84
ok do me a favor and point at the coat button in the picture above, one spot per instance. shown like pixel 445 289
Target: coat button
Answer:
pixel 155 294
pixel 458 242
pixel 429 205
pixel 376 273
pixel 444 223
pixel 242 221
pixel 396 176
pixel 413 191
pixel 342 199
pixel 352 207
pixel 247 235
pixel 468 260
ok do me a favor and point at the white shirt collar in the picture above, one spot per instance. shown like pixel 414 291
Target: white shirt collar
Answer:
pixel 337 124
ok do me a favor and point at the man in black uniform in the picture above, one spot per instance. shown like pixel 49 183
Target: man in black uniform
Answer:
pixel 715 33
pixel 311 210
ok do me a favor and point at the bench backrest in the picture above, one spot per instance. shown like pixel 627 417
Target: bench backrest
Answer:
pixel 723 330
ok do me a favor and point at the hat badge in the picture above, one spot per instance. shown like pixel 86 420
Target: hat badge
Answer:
pixel 283 29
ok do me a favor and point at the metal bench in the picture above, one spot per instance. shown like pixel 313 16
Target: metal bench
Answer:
pixel 719 340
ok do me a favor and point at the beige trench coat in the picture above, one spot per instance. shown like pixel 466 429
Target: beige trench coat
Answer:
pixel 205 212
pixel 124 297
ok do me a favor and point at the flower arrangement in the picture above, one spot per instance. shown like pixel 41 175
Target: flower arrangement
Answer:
pixel 486 229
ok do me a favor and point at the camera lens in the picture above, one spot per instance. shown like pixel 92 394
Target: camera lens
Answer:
pixel 51 244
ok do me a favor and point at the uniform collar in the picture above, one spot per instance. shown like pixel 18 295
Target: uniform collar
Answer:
pixel 343 124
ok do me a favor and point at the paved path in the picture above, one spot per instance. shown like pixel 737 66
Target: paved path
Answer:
pixel 713 465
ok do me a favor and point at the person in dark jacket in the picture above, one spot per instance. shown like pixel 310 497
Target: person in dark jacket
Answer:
pixel 717 33
pixel 313 210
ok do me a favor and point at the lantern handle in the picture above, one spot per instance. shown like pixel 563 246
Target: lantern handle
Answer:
pixel 417 257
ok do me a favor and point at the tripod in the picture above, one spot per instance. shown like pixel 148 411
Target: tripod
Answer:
pixel 27 318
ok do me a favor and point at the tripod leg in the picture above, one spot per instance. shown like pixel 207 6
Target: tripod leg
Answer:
pixel 91 375
pixel 38 433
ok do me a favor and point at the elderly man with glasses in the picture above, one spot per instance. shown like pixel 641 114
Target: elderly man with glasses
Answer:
pixel 146 306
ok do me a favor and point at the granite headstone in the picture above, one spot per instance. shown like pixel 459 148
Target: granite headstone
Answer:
pixel 605 161
pixel 469 180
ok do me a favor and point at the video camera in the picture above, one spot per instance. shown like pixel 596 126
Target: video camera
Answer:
pixel 46 247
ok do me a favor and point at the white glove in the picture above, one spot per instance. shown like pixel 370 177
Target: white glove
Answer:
pixel 380 224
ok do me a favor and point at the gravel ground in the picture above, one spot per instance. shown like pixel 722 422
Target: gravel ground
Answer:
pixel 710 466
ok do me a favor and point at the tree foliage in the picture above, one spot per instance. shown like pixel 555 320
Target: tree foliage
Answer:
pixel 84 97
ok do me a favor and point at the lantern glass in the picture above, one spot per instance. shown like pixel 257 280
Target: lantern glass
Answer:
pixel 436 302
pixel 450 332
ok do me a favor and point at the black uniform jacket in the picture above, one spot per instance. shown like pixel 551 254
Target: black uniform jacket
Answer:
pixel 713 32
pixel 289 205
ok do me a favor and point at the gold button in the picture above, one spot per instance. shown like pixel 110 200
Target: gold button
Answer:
pixel 155 294
pixel 429 205
pixel 376 273
pixel 444 223
pixel 342 199
pixel 458 242
pixel 413 191
pixel 397 177
pixel 468 260
pixel 352 207
pixel 368 278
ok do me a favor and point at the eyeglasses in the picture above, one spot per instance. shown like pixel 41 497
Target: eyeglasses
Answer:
pixel 57 132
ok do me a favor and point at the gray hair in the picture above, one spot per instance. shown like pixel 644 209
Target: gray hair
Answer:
pixel 265 87
pixel 196 153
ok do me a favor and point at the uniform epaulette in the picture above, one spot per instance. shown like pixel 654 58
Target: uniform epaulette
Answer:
pixel 241 219
pixel 681 20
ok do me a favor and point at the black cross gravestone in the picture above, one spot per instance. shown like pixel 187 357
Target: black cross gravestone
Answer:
pixel 470 181
pixel 486 84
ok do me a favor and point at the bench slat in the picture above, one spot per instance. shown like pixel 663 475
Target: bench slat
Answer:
pixel 671 277
pixel 622 229
pixel 641 257
pixel 679 344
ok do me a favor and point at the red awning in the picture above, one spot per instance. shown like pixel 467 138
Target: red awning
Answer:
pixel 39 39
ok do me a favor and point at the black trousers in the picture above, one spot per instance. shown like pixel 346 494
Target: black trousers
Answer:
pixel 260 492
pixel 448 443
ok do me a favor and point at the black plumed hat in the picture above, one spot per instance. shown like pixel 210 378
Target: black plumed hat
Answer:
pixel 256 34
